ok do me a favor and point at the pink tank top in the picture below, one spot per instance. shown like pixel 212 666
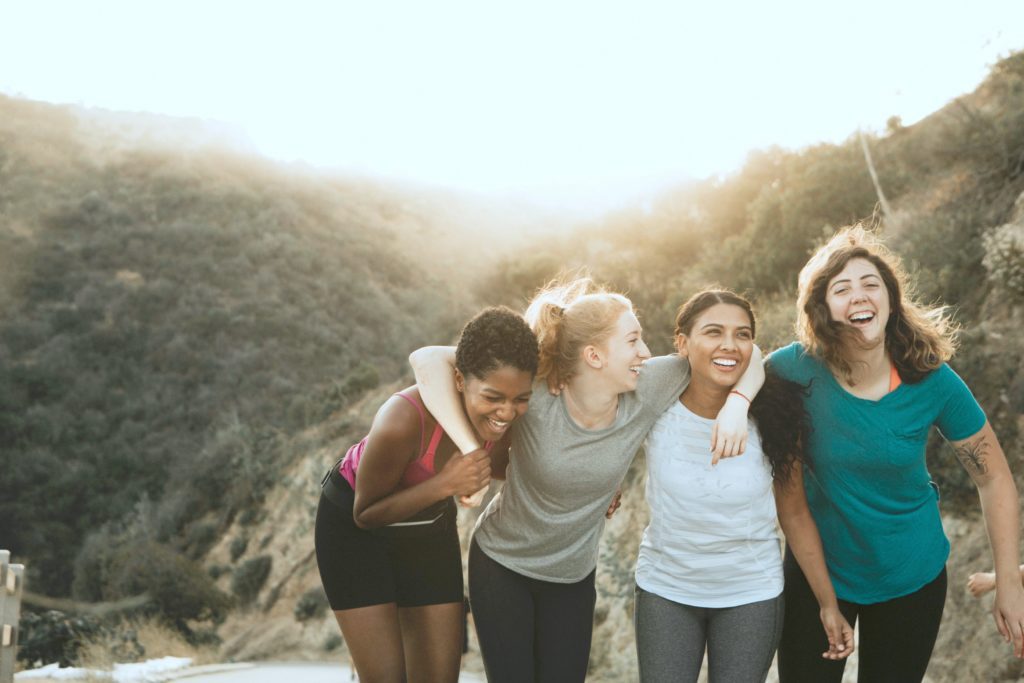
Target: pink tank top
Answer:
pixel 418 471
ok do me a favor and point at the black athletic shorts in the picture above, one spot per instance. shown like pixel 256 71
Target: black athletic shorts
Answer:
pixel 359 569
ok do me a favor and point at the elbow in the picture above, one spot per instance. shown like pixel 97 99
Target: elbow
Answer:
pixel 363 520
pixel 416 358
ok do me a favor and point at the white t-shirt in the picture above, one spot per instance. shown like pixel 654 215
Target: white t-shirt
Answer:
pixel 713 539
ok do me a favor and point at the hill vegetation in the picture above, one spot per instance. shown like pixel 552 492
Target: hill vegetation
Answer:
pixel 168 316
pixel 182 326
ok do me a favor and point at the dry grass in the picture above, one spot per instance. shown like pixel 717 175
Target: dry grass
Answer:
pixel 158 640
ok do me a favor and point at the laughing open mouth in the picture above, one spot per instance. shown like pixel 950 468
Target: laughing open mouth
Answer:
pixel 861 318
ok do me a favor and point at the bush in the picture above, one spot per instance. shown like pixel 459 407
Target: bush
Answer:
pixel 332 642
pixel 179 588
pixel 53 636
pixel 250 577
pixel 238 546
pixel 312 604
pixel 1004 258
pixel 200 538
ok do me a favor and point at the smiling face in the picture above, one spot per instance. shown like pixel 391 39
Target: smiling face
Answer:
pixel 624 352
pixel 718 344
pixel 857 296
pixel 496 400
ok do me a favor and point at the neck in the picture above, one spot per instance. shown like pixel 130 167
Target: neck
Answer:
pixel 590 404
pixel 704 398
pixel 869 363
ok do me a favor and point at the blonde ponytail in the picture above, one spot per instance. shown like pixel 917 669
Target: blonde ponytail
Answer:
pixel 567 316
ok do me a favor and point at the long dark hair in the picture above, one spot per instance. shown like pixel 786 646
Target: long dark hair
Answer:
pixel 778 408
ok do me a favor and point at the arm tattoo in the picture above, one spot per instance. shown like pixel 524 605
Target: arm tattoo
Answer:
pixel 972 456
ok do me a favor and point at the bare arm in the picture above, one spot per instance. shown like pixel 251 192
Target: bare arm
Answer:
pixel 983 458
pixel 803 540
pixel 729 435
pixel 393 442
pixel 434 368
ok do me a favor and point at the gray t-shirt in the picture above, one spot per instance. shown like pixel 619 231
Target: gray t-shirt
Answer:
pixel 547 520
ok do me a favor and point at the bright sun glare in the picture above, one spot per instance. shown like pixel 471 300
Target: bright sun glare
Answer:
pixel 586 101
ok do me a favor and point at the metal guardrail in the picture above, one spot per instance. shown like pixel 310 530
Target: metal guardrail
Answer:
pixel 12 579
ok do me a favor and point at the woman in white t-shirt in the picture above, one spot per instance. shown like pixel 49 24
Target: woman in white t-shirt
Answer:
pixel 709 574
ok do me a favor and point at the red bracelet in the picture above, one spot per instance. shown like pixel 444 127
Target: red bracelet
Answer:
pixel 741 395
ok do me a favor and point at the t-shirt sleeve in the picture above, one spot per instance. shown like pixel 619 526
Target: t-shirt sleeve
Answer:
pixel 662 379
pixel 960 416
pixel 790 363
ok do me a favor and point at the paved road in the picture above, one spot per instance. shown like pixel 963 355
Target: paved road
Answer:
pixel 301 672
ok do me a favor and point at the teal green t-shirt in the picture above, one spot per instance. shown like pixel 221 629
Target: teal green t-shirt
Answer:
pixel 867 483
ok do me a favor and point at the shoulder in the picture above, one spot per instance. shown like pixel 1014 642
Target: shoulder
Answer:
pixel 793 362
pixel 662 378
pixel 398 421
pixel 661 367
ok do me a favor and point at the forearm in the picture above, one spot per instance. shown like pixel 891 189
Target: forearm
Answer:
pixel 803 541
pixel 434 368
pixel 401 504
pixel 753 377
pixel 999 503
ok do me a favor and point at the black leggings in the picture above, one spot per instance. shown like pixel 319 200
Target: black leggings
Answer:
pixel 896 636
pixel 530 630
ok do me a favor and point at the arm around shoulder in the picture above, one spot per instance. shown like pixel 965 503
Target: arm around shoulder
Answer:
pixel 434 368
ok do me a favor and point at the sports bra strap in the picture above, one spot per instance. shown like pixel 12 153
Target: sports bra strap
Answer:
pixel 423 421
pixel 427 459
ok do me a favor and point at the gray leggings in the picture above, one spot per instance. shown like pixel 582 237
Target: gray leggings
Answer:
pixel 670 639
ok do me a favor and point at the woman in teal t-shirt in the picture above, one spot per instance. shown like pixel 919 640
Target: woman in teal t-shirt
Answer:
pixel 875 363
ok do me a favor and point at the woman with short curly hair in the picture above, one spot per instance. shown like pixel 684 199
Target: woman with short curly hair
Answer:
pixel 387 546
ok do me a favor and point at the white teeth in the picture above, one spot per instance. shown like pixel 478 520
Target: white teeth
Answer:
pixel 860 317
pixel 497 424
pixel 634 368
pixel 727 362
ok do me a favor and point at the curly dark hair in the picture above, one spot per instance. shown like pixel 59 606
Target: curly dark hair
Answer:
pixel 495 337
pixel 778 410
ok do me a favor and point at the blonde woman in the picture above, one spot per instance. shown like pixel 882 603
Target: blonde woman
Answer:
pixel 534 553
pixel 875 362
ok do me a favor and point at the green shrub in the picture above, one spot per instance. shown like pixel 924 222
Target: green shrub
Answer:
pixel 250 577
pixel 312 604
pixel 238 546
pixel 1004 258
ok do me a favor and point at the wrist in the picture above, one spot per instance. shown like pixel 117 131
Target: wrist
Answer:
pixel 736 392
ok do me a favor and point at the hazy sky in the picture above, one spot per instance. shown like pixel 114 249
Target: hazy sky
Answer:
pixel 590 101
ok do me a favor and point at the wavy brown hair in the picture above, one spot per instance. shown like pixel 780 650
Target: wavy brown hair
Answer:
pixel 568 315
pixel 918 338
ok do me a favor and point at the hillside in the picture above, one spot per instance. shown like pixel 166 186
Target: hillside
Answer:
pixel 171 308
pixel 952 181
pixel 189 335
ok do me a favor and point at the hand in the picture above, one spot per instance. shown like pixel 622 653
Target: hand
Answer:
pixel 729 433
pixel 466 474
pixel 980 583
pixel 614 505
pixel 1008 611
pixel 839 633
pixel 474 500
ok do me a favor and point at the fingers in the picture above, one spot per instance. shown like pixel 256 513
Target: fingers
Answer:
pixel 716 451
pixel 473 500
pixel 476 469
pixel 1016 633
pixel 614 505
